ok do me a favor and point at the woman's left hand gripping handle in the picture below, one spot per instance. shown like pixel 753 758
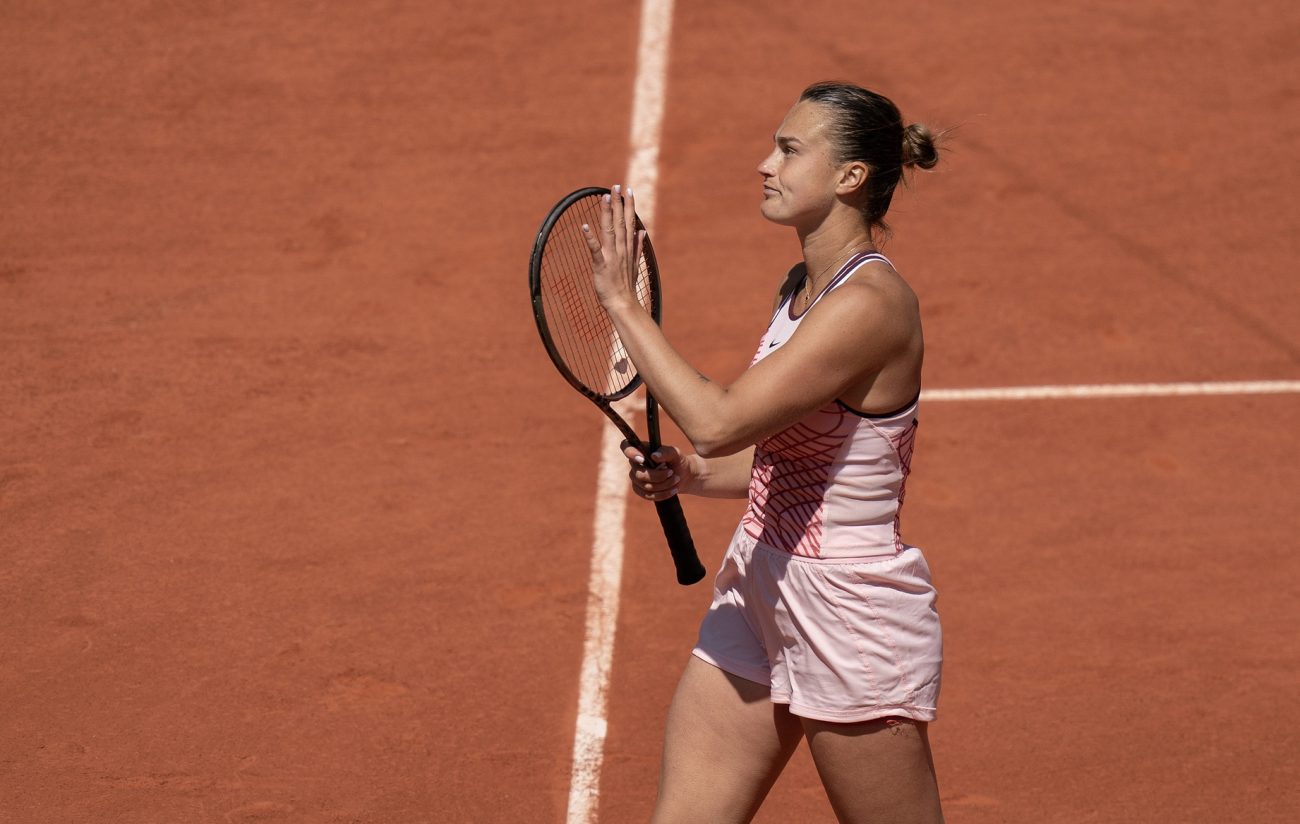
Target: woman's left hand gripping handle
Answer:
pixel 659 481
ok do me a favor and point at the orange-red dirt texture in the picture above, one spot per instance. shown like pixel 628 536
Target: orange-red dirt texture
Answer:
pixel 295 515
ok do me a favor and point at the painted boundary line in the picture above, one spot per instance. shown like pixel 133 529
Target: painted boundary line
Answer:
pixel 1113 390
pixel 611 485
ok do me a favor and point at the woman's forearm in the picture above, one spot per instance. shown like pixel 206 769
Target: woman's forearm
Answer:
pixel 693 401
pixel 725 477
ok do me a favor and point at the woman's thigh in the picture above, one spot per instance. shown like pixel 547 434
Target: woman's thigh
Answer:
pixel 876 771
pixel 724 747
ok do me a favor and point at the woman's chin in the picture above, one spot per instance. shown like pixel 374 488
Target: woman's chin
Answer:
pixel 770 210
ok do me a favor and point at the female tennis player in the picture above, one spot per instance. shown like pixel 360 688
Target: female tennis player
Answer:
pixel 823 623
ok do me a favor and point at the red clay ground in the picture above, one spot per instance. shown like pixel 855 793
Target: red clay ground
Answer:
pixel 294 514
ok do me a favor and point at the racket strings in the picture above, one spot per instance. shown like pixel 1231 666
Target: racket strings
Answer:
pixel 579 328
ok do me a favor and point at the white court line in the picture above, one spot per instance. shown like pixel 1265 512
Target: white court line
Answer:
pixel 1112 390
pixel 611 485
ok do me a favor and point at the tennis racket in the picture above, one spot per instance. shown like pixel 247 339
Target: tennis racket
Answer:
pixel 585 347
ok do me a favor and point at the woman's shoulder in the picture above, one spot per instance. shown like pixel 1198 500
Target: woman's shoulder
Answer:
pixel 875 302
pixel 876 283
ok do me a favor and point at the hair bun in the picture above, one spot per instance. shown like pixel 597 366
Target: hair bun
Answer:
pixel 918 147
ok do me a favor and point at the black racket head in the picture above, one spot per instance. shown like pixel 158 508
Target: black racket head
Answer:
pixel 578 335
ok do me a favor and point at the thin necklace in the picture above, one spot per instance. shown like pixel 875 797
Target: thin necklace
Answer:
pixel 808 282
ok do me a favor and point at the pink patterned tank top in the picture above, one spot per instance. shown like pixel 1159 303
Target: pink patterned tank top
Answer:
pixel 830 485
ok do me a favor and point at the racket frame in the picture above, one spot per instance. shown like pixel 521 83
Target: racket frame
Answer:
pixel 689 568
pixel 603 401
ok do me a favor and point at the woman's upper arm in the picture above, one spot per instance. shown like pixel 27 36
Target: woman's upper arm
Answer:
pixel 852 333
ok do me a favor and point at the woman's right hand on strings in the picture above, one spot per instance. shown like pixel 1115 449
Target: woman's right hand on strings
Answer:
pixel 673 472
pixel 615 246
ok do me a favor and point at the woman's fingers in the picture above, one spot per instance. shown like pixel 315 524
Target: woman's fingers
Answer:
pixel 666 455
pixel 654 483
pixel 633 455
pixel 618 222
pixel 606 220
pixel 615 246
pixel 629 223
pixel 620 206
pixel 637 246
pixel 593 244
pixel 602 237
pixel 632 238
pixel 658 482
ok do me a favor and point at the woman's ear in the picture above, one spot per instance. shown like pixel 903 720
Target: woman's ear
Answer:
pixel 853 178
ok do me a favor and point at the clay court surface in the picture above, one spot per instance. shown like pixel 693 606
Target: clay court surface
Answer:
pixel 296 517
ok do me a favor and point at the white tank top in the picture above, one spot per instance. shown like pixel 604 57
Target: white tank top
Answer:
pixel 831 485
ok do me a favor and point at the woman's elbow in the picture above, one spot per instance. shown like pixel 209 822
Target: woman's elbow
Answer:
pixel 705 449
pixel 720 433
pixel 718 445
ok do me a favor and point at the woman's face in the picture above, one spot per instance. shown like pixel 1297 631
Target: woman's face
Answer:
pixel 799 176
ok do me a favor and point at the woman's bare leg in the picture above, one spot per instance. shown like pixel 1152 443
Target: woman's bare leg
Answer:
pixel 725 745
pixel 876 771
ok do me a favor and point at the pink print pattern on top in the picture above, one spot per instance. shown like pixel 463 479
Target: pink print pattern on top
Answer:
pixel 791 498
pixel 904 442
pixel 787 487
pixel 830 485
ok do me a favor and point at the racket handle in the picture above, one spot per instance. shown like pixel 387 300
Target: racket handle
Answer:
pixel 680 543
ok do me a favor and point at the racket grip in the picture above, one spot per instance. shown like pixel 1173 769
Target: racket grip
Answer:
pixel 680 543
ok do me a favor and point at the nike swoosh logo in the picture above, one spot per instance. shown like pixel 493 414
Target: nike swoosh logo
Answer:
pixel 774 343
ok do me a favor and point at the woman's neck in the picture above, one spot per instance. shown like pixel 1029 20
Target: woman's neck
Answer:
pixel 831 244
